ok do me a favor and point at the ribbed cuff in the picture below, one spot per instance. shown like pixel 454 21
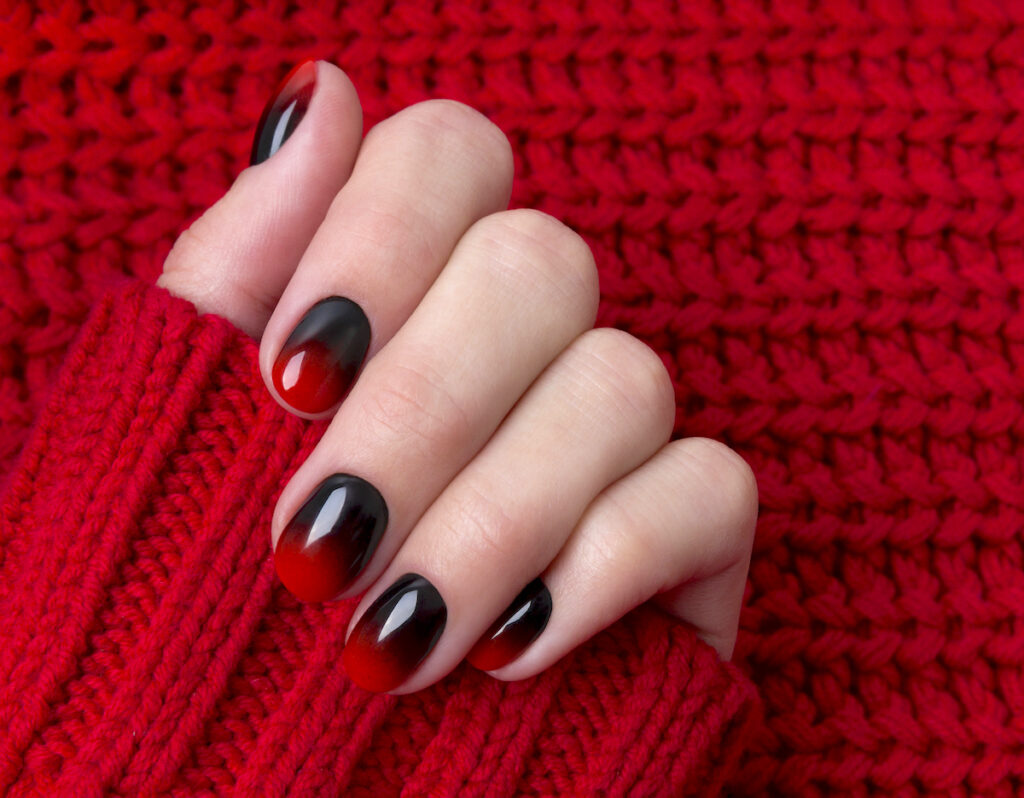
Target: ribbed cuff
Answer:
pixel 153 649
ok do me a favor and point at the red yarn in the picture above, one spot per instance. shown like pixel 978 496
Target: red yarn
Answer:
pixel 813 210
pixel 155 650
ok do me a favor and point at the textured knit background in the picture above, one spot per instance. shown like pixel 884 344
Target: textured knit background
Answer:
pixel 814 211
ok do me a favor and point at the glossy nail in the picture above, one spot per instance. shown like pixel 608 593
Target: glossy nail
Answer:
pixel 331 538
pixel 514 630
pixel 285 110
pixel 319 361
pixel 395 634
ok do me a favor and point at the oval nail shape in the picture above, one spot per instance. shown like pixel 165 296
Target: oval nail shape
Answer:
pixel 516 628
pixel 319 362
pixel 331 538
pixel 395 634
pixel 284 111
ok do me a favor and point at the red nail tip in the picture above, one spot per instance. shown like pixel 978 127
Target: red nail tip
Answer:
pixel 331 538
pixel 306 379
pixel 395 634
pixel 515 629
pixel 319 362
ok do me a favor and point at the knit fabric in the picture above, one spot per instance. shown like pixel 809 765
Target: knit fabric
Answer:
pixel 812 210
pixel 155 650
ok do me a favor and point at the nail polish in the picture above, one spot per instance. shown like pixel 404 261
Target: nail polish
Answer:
pixel 319 361
pixel 395 634
pixel 331 538
pixel 515 629
pixel 284 111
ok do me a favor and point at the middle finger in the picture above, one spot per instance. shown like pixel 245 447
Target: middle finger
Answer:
pixel 519 287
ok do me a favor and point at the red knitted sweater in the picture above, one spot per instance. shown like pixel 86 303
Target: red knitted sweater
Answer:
pixel 813 209
pixel 155 650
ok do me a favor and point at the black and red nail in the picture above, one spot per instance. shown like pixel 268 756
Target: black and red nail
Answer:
pixel 395 634
pixel 284 111
pixel 332 537
pixel 515 629
pixel 319 362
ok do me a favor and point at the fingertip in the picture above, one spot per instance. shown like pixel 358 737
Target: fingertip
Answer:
pixel 340 107
pixel 237 258
pixel 321 91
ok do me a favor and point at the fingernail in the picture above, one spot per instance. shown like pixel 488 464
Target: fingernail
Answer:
pixel 319 361
pixel 395 634
pixel 331 538
pixel 285 110
pixel 517 627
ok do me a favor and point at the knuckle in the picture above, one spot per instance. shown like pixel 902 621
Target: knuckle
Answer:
pixel 624 544
pixel 697 519
pixel 730 488
pixel 450 126
pixel 633 376
pixel 411 407
pixel 536 248
pixel 481 523
pixel 373 228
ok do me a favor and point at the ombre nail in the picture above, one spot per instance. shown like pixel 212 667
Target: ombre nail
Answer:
pixel 284 111
pixel 319 361
pixel 331 538
pixel 515 629
pixel 395 634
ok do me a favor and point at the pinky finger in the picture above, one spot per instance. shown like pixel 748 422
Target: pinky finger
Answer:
pixel 678 529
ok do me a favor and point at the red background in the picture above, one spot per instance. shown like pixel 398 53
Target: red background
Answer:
pixel 814 211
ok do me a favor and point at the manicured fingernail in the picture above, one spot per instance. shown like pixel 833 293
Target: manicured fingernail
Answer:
pixel 517 627
pixel 319 361
pixel 395 634
pixel 284 111
pixel 331 538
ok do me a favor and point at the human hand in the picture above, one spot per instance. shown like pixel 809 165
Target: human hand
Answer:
pixel 496 463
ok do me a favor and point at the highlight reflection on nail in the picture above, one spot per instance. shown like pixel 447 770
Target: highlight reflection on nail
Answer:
pixel 395 634
pixel 319 362
pixel 514 630
pixel 284 111
pixel 332 537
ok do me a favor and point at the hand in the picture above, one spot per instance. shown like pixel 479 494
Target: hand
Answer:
pixel 499 477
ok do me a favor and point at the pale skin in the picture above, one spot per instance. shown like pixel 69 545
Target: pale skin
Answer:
pixel 510 438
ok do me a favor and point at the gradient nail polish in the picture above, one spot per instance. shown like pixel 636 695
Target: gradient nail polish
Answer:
pixel 331 538
pixel 517 627
pixel 285 110
pixel 395 634
pixel 319 361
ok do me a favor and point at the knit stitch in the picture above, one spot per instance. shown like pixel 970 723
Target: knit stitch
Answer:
pixel 156 651
pixel 812 210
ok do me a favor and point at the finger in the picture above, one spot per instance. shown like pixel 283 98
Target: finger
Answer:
pixel 236 259
pixel 596 413
pixel 421 179
pixel 519 288
pixel 680 527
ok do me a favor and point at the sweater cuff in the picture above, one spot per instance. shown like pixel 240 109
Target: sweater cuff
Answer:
pixel 155 650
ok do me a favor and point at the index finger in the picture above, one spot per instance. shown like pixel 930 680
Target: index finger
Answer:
pixel 422 177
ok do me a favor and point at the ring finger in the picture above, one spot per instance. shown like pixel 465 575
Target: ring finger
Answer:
pixel 602 408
